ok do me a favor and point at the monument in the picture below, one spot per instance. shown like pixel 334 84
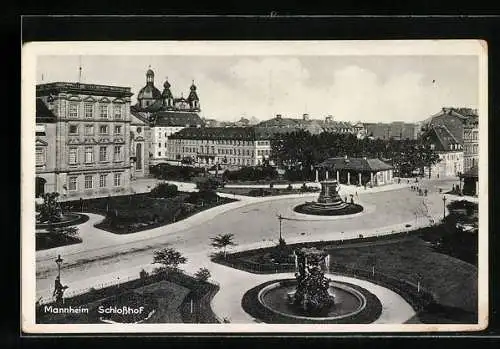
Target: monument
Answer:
pixel 329 202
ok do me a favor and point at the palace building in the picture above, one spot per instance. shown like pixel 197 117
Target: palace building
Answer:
pixel 230 146
pixel 82 139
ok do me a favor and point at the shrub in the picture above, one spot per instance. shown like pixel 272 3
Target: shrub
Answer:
pixel 164 190
pixel 203 274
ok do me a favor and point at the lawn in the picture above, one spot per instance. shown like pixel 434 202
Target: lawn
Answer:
pixel 169 296
pixel 132 213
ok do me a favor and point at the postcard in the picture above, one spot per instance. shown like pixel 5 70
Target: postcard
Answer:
pixel 254 186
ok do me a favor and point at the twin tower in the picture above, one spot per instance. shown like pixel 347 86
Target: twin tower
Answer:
pixel 151 99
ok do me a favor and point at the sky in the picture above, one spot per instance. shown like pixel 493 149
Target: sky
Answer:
pixel 349 88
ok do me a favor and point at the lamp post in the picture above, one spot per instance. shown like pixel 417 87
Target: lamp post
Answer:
pixel 280 218
pixel 444 207
pixel 59 262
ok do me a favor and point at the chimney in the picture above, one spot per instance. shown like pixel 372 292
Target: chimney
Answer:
pixel 278 116
pixel 329 118
pixel 305 117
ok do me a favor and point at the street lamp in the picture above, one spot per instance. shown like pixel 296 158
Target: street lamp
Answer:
pixel 444 207
pixel 280 218
pixel 59 262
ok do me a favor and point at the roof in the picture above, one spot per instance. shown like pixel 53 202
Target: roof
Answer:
pixel 86 89
pixel 43 113
pixel 442 138
pixel 176 118
pixel 355 164
pixel 235 133
pixel 473 172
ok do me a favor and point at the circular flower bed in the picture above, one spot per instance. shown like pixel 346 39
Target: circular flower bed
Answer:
pixel 307 208
pixel 67 220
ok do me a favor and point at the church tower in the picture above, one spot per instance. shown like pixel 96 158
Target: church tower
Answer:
pixel 168 98
pixel 193 100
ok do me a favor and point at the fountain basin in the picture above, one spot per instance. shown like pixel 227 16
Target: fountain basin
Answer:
pixel 68 219
pixel 319 209
pixel 271 302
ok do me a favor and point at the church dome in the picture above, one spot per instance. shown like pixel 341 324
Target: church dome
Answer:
pixel 166 84
pixel 149 92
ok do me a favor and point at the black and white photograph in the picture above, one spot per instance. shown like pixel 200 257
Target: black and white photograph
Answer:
pixel 244 186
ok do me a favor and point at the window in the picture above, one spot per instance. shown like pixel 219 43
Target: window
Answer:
pixel 103 129
pixel 103 154
pixel 72 183
pixel 118 153
pixel 73 156
pixel 73 110
pixel 73 129
pixel 117 111
pixel 89 155
pixel 40 156
pixel 159 153
pixel 88 110
pixel 117 179
pixel 139 129
pixel 118 130
pixel 103 111
pixel 165 144
pixel 103 178
pixel 166 134
pixel 89 130
pixel 89 182
pixel 159 145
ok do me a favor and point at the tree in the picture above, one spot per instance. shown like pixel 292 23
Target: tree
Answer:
pixel 50 210
pixel 221 241
pixel 169 258
pixel 203 274
pixel 164 190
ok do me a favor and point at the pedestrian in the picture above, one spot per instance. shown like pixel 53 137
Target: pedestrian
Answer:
pixel 425 192
pixel 408 181
pixel 356 194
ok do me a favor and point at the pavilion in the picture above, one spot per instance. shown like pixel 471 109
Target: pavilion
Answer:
pixel 357 171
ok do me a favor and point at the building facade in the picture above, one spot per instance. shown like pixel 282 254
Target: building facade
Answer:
pixel 226 146
pixel 471 142
pixel 449 150
pixel 83 139
pixel 395 130
pixel 140 134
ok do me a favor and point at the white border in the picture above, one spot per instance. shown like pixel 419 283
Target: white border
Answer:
pixel 31 51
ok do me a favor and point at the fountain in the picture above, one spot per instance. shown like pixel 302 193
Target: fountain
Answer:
pixel 312 293
pixel 329 202
pixel 311 297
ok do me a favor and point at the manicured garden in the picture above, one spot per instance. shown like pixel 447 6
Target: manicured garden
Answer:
pixel 163 205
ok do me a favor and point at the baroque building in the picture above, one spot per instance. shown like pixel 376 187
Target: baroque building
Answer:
pixel 82 139
pixel 165 115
